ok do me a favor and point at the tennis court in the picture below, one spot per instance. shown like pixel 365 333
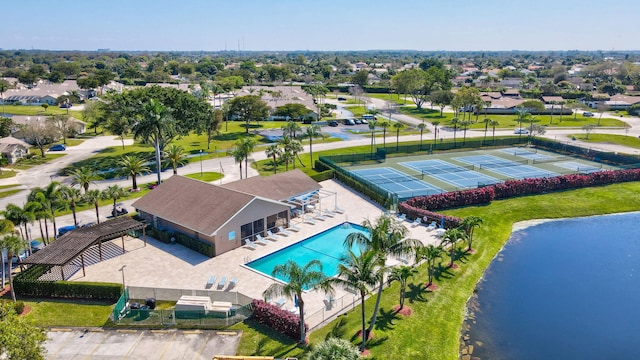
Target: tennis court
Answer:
pixel 528 153
pixel 578 167
pixel 511 168
pixel 461 176
pixel 397 182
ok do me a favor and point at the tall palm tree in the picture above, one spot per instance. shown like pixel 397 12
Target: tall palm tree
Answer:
pixel 435 129
pixel 359 272
pixel 465 125
pixel 398 126
pixel 248 144
pixel 421 127
pixel 384 237
pixel 468 225
pixel 238 155
pixel 290 128
pixel 384 125
pixel 93 197
pixel 455 121
pixel 372 127
pixel 293 147
pixel 287 158
pixel 40 213
pixel 312 131
pixel 114 192
pixel 450 238
pixel 71 197
pixel 51 200
pixel 20 217
pixel 176 155
pixel 83 176
pixel 493 124
pixel 430 254
pixel 133 166
pixel 157 127
pixel 522 114
pixel 299 279
pixel 273 151
pixel 486 122
pixel 14 245
pixel 6 227
pixel 402 274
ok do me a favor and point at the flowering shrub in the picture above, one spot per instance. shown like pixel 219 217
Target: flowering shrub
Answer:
pixel 278 319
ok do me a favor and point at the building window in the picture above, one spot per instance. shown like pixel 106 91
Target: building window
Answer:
pixel 232 235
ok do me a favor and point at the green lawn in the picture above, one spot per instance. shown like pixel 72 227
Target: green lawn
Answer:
pixel 396 98
pixel 206 176
pixel 4 194
pixel 36 160
pixel 509 121
pixel 5 174
pixel 37 110
pixel 630 141
pixel 48 312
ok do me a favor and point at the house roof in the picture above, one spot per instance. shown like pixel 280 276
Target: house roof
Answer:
pixel 194 204
pixel 10 140
pixel 550 99
pixel 279 187
pixel 626 99
pixel 506 103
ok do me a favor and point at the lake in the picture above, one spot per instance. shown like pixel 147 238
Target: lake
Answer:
pixel 567 289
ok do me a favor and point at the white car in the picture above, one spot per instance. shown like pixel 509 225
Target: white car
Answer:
pixel 521 131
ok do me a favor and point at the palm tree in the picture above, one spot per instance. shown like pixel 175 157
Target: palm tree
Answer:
pixel 402 274
pixel 286 157
pixel 486 122
pixel 455 121
pixel 20 217
pixel 522 114
pixel 430 254
pixel 6 227
pixel 71 196
pixel 450 238
pixel 83 176
pixel 3 88
pixel 94 197
pixel 238 155
pixel 384 125
pixel 175 154
pixel 421 127
pixel 465 125
pixel 290 128
pixel 293 147
pixel 114 192
pixel 398 126
pixel 493 124
pixel 468 225
pixel 312 131
pixel 372 127
pixel 51 201
pixel 156 126
pixel 247 144
pixel 133 166
pixel 384 237
pixel 273 151
pixel 14 245
pixel 299 279
pixel 435 130
pixel 360 273
pixel 40 213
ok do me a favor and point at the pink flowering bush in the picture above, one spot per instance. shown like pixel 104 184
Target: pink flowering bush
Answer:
pixel 278 319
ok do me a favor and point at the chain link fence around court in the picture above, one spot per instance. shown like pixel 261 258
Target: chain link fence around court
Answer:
pixel 124 314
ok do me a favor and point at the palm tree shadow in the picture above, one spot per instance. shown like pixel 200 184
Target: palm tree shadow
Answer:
pixel 462 255
pixel 338 331
pixel 442 272
pixel 385 319
pixel 415 293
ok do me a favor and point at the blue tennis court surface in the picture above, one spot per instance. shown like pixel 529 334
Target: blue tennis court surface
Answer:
pixel 578 167
pixel 526 153
pixel 456 175
pixel 397 182
pixel 510 168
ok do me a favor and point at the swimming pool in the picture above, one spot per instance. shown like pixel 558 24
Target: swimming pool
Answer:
pixel 327 247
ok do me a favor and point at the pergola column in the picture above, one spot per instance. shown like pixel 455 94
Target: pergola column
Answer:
pixel 82 261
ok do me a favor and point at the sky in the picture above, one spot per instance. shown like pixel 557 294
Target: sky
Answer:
pixel 328 25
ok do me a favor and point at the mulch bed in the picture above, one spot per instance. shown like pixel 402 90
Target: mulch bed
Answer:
pixel 405 311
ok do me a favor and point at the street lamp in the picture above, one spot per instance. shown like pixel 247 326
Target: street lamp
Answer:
pixel 124 287
pixel 200 162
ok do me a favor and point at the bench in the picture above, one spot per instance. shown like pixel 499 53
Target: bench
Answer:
pixel 211 281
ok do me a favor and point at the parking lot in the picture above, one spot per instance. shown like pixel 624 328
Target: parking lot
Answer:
pixel 139 344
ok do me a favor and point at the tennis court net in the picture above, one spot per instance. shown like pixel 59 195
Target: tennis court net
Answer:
pixel 503 164
pixel 392 179
pixel 551 160
pixel 450 169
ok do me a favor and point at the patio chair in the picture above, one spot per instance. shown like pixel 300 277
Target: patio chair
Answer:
pixel 431 226
pixel 328 213
pixel 416 222
pixel 283 231
pixel 250 244
pixel 280 302
pixel 309 220
pixel 402 217
pixel 223 282
pixel 233 282
pixel 338 210
pixel 211 281
pixel 293 227
pixel 272 236
pixel 261 240
pixel 319 216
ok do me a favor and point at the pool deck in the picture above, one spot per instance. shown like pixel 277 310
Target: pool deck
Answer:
pixel 162 265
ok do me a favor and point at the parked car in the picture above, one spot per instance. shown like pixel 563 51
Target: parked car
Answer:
pixel 22 255
pixel 369 117
pixel 66 105
pixel 65 229
pixel 349 122
pixel 119 211
pixel 587 114
pixel 357 121
pixel 333 123
pixel 364 121
pixel 57 147
pixel 342 98
pixel 521 131
pixel 36 245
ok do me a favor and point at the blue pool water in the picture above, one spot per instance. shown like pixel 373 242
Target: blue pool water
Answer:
pixel 326 246
pixel 562 290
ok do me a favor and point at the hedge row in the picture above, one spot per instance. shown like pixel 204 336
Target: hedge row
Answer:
pixel 278 319
pixel 322 176
pixel 420 206
pixel 26 284
pixel 182 239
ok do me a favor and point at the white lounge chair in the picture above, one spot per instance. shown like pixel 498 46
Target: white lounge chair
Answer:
pixel 309 220
pixel 293 227
pixel 319 216
pixel 261 240
pixel 338 210
pixel 272 236
pixel 280 302
pixel 402 217
pixel 431 226
pixel 416 222
pixel 283 231
pixel 233 282
pixel 328 213
pixel 211 281
pixel 222 282
pixel 250 244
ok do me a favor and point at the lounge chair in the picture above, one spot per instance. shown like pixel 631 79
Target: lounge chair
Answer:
pixel 261 240
pixel 233 282
pixel 250 244
pixel 328 213
pixel 272 236
pixel 319 216
pixel 338 210
pixel 293 227
pixel 211 281
pixel 223 282
pixel 431 226
pixel 416 222
pixel 280 302
pixel 283 231
pixel 402 217
pixel 309 220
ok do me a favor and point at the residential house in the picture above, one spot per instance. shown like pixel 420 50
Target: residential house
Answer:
pixel 13 149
